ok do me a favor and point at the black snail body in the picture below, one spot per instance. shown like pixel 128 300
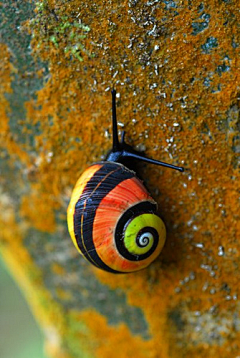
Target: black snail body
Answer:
pixel 112 218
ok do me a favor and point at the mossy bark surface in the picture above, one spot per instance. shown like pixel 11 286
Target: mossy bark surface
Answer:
pixel 175 66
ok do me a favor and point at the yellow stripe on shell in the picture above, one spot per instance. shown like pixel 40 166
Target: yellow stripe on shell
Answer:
pixel 77 192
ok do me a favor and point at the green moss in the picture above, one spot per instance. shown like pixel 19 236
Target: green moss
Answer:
pixel 62 31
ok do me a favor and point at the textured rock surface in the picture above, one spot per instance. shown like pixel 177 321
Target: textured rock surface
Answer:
pixel 175 65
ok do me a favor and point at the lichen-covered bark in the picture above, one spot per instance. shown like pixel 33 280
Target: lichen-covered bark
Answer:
pixel 175 65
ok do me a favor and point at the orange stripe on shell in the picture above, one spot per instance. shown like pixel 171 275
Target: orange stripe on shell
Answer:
pixel 116 202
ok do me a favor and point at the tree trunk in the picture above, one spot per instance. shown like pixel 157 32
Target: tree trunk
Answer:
pixel 175 67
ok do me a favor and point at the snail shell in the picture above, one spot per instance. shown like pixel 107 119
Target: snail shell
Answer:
pixel 112 219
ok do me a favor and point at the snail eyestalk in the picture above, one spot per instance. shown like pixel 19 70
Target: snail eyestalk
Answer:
pixel 122 150
pixel 115 146
pixel 153 161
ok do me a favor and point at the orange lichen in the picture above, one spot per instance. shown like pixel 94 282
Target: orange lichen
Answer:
pixel 5 71
pixel 102 340
pixel 39 211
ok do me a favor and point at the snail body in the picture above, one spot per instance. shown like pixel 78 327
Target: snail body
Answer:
pixel 112 219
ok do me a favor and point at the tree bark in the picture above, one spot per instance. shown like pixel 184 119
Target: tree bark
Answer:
pixel 175 67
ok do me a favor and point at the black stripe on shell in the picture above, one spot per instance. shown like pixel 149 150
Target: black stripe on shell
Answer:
pixel 101 183
pixel 141 208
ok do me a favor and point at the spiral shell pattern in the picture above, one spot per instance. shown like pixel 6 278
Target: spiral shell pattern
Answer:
pixel 112 219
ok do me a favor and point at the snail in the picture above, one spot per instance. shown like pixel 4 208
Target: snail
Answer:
pixel 112 219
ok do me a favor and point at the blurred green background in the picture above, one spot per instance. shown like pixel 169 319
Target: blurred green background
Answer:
pixel 20 337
